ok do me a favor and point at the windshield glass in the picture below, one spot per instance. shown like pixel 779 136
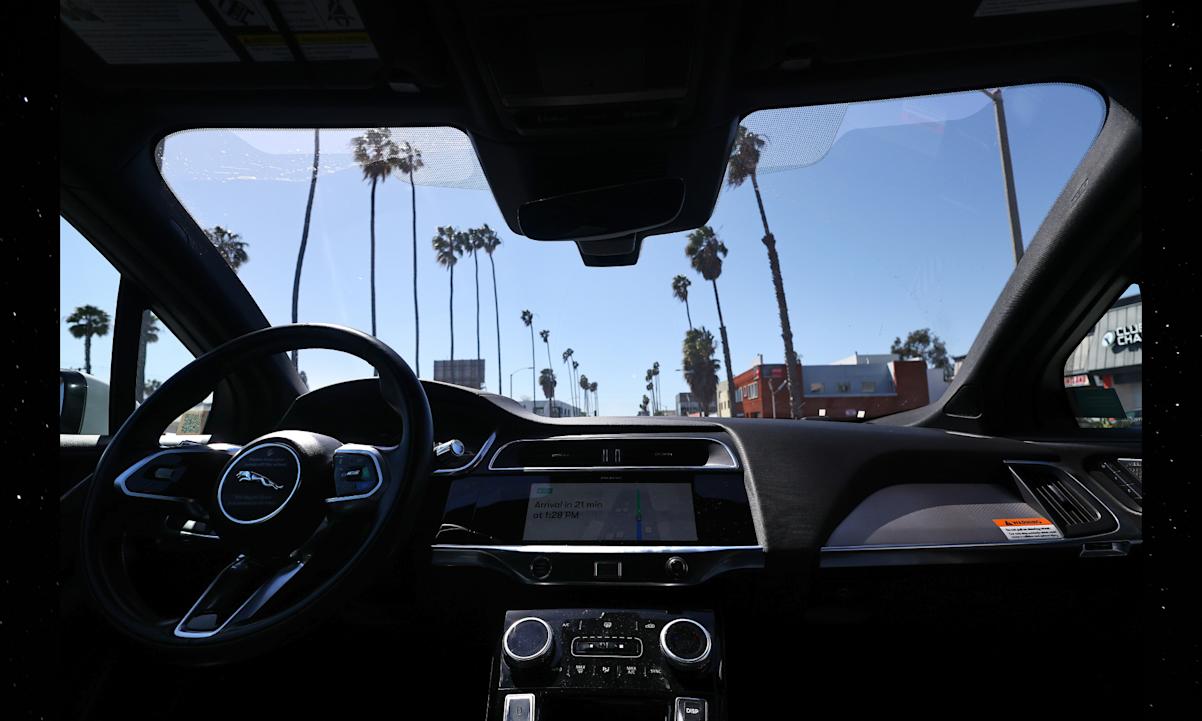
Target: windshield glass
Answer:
pixel 886 226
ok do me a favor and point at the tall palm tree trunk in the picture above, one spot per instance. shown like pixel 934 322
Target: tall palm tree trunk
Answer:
pixel 730 375
pixel 533 375
pixel 417 321
pixel 572 385
pixel 373 256
pixel 786 329
pixel 452 312
pixel 688 314
pixel 87 353
pixel 550 398
pixel 300 255
pixel 143 342
pixel 476 261
pixel 496 305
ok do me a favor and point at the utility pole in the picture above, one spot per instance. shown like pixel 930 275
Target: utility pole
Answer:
pixel 1003 139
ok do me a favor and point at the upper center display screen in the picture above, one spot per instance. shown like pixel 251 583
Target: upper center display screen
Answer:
pixel 651 512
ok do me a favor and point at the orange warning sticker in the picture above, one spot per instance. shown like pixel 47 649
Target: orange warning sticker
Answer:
pixel 1007 522
pixel 1026 529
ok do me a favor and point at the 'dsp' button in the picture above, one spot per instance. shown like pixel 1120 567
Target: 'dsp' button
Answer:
pixel 690 709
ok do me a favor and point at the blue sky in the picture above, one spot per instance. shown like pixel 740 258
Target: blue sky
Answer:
pixel 900 224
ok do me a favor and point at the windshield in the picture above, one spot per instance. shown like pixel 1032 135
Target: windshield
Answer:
pixel 881 231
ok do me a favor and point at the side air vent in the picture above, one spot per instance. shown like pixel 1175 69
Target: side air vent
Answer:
pixel 619 452
pixel 1064 499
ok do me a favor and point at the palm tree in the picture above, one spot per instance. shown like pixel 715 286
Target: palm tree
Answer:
pixel 567 357
pixel 88 321
pixel 528 319
pixel 230 245
pixel 700 366
pixel 304 242
pixel 409 162
pixel 148 334
pixel 744 159
pixel 546 336
pixel 659 400
pixel 576 370
pixel 546 379
pixel 643 410
pixel 489 241
pixel 448 246
pixel 378 156
pixel 706 251
pixel 680 291
pixel 584 385
pixel 471 244
pixel 596 404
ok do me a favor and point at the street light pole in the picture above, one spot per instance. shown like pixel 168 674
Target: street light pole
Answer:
pixel 511 375
pixel 1003 139
pixel 774 392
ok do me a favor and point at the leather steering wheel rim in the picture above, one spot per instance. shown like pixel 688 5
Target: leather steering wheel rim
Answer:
pixel 388 517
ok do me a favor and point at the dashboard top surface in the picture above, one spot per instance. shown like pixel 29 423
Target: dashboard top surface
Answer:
pixel 810 486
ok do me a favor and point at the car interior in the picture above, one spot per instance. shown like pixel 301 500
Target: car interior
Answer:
pixel 398 544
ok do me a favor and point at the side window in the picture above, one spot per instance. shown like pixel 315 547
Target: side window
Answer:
pixel 88 287
pixel 1103 375
pixel 87 301
pixel 161 355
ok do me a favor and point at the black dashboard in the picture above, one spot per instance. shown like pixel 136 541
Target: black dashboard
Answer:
pixel 575 543
pixel 534 498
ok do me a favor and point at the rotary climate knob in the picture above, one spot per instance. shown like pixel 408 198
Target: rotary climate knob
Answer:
pixel 527 643
pixel 685 643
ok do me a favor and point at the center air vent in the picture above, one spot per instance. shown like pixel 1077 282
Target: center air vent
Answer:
pixel 1064 499
pixel 613 452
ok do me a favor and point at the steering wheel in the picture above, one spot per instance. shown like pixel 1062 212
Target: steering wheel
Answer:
pixel 305 517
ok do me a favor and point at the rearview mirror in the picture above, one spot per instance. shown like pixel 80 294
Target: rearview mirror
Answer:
pixel 603 212
pixel 83 404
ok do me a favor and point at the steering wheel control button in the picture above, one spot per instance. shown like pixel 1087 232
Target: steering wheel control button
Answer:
pixel 518 707
pixel 690 709
pixel 685 643
pixel 259 483
pixel 356 473
pixel 527 642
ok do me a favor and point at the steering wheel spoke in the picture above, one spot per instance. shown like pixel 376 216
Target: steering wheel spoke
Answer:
pixel 174 477
pixel 236 595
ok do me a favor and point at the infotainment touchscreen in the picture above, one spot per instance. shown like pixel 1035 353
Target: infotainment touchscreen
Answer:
pixel 564 512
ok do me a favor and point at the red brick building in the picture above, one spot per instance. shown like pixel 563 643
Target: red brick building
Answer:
pixel 839 390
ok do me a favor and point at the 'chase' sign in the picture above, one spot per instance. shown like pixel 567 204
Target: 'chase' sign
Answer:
pixel 1125 337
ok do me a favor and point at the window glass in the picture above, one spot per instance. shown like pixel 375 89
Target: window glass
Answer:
pixel 902 203
pixel 160 356
pixel 87 308
pixel 1104 374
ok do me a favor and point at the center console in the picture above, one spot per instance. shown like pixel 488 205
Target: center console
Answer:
pixel 584 664
pixel 598 510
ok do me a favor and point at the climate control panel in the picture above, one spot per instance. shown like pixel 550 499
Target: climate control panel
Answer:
pixel 552 660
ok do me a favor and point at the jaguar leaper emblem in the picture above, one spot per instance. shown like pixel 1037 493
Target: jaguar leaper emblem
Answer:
pixel 251 477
